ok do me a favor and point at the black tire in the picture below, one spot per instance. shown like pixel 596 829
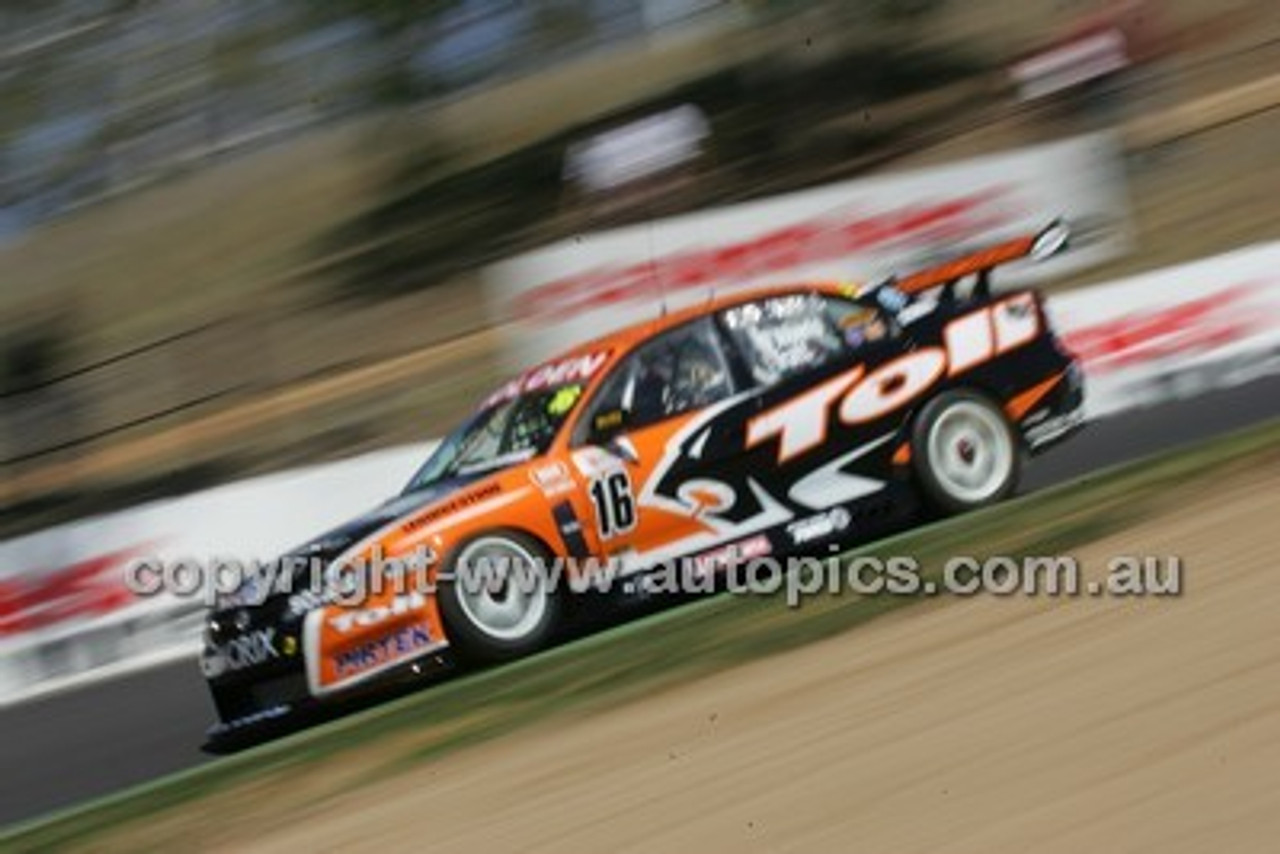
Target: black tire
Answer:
pixel 508 618
pixel 964 452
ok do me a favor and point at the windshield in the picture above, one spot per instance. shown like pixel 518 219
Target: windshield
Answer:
pixel 501 435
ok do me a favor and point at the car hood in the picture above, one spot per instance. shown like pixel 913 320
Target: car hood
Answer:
pixel 331 544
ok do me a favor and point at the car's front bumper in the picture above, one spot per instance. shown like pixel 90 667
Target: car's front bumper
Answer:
pixel 252 697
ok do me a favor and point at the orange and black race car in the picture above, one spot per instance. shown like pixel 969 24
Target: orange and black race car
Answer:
pixel 774 422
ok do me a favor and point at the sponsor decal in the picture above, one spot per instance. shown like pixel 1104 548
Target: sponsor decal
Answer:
pixel 755 314
pixel 363 618
pixel 348 645
pixel 594 462
pixel 268 714
pixel 819 527
pixel 573 369
pixel 731 554
pixel 860 397
pixel 1046 429
pixel 563 400
pixel 702 495
pixel 1036 417
pixel 451 506
pixel 248 650
pixel 783 346
pixel 552 478
pixel 306 601
pixel 373 654
pixel 570 529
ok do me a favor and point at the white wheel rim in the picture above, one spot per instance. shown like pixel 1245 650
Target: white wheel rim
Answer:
pixel 970 452
pixel 501 588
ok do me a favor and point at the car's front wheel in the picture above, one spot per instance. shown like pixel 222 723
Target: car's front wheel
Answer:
pixel 497 598
pixel 965 452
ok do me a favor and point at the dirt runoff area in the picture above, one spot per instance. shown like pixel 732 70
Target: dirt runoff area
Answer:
pixel 987 724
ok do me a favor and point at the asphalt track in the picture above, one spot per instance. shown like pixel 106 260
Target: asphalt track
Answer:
pixel 105 737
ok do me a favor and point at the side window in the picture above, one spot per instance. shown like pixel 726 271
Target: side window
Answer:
pixel 538 416
pixel 781 337
pixel 857 323
pixel 679 371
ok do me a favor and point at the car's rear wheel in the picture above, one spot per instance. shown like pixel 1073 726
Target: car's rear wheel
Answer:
pixel 965 452
pixel 497 599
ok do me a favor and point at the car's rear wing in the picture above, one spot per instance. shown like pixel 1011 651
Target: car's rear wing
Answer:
pixel 1045 243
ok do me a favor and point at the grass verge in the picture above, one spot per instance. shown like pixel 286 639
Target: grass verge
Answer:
pixel 611 668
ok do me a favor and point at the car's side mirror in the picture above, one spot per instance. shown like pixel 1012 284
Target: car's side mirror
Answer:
pixel 622 449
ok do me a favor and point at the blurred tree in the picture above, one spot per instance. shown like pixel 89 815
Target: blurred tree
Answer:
pixel 881 10
pixel 439 214
pixel 562 23
pixel 399 26
pixel 389 16
pixel 905 10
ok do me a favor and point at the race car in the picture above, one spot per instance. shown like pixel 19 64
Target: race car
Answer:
pixel 769 422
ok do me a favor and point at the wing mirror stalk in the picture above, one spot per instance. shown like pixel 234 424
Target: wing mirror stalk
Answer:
pixel 623 450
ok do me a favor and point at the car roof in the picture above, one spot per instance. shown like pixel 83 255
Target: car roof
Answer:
pixel 621 341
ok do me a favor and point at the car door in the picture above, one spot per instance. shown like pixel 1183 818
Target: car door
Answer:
pixel 821 441
pixel 644 421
